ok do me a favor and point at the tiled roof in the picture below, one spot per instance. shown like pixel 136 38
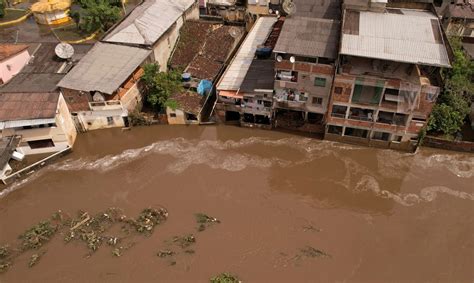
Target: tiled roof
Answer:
pixel 8 50
pixel 26 106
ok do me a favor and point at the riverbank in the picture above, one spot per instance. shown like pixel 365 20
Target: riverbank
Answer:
pixel 275 194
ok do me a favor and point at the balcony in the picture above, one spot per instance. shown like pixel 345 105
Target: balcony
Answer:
pixel 105 105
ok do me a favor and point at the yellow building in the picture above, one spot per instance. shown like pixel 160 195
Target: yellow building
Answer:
pixel 51 12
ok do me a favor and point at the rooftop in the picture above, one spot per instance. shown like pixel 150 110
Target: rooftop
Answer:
pixel 309 37
pixel 32 83
pixel 204 47
pixel 323 9
pixel 235 73
pixel 463 10
pixel 260 76
pixel 148 21
pixel 9 50
pixel 189 102
pixel 27 106
pixel 410 36
pixel 44 59
pixel 105 68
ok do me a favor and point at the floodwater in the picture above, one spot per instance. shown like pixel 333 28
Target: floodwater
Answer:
pixel 381 215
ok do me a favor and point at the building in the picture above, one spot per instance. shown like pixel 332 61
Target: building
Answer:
pixel 228 10
pixel 458 18
pixel 203 50
pixel 306 53
pixel 51 12
pixel 229 95
pixel 32 107
pixel 387 79
pixel 154 25
pixel 13 57
pixel 42 120
pixel 103 86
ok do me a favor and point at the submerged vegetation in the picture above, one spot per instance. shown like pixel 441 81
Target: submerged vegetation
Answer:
pixel 225 278
pixel 91 230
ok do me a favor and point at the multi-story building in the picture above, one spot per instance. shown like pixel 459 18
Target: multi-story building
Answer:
pixel 387 77
pixel 305 66
pixel 230 98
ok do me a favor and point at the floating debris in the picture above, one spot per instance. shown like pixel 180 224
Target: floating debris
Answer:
pixel 311 228
pixel 173 263
pixel 37 235
pixel 312 252
pixel 148 219
pixel 116 252
pixel 185 241
pixel 165 253
pixel 4 266
pixel 205 221
pixel 4 251
pixel 189 251
pixel 225 278
pixel 34 259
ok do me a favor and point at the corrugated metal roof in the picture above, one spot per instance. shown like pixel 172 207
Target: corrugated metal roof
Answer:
pixel 309 37
pixel 148 21
pixel 260 76
pixel 235 73
pixel 410 36
pixel 32 82
pixel 105 68
pixel 323 9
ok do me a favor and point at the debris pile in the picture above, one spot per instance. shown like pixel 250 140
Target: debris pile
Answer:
pixel 225 278
pixel 205 221
pixel 86 228
pixel 312 252
pixel 38 235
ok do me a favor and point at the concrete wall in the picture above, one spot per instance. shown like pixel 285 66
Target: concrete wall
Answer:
pixel 180 118
pixel 94 120
pixel 132 98
pixel 13 65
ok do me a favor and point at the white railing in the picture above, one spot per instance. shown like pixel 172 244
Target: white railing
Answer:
pixel 105 105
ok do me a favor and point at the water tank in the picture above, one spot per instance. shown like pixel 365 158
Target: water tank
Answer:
pixel 18 156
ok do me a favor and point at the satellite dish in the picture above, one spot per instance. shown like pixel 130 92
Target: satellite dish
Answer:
pixel 292 59
pixel 289 7
pixel 64 50
pixel 279 58
pixel 234 32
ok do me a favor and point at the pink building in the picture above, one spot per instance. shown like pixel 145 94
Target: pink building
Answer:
pixel 12 59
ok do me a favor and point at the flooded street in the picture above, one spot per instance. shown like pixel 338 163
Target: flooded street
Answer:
pixel 380 215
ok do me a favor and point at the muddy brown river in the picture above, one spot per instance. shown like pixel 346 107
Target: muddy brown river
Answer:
pixel 378 215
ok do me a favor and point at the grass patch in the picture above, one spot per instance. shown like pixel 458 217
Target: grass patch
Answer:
pixel 13 14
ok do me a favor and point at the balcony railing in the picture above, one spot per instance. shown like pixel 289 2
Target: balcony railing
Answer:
pixel 105 105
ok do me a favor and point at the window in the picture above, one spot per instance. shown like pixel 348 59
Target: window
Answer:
pixel 339 111
pixel 41 143
pixel 173 115
pixel 338 90
pixel 259 101
pixel 317 100
pixel 319 82
pixel 336 130
pixel 381 136
pixel 110 121
pixel 353 132
pixel 267 103
pixel 367 94
pixel 361 114
pixel 397 138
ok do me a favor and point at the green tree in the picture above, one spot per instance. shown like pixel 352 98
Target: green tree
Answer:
pixel 448 114
pixel 96 15
pixel 2 8
pixel 160 86
pixel 459 78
